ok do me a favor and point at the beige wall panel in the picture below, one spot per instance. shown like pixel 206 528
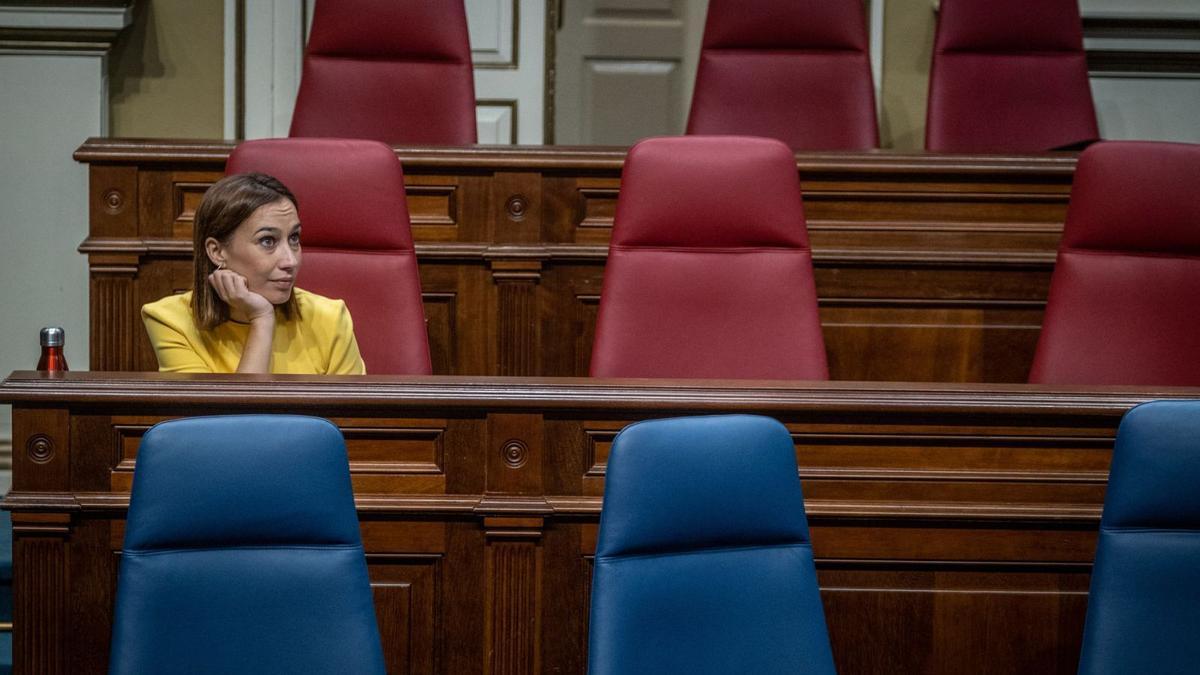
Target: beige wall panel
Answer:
pixel 908 48
pixel 610 86
pixel 624 69
pixel 166 70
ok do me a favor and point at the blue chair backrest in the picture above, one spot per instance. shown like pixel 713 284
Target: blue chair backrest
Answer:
pixel 1144 605
pixel 242 553
pixel 704 563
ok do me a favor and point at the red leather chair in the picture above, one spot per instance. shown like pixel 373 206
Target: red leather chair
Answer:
pixel 1124 305
pixel 1009 76
pixel 397 71
pixel 796 70
pixel 357 242
pixel 709 272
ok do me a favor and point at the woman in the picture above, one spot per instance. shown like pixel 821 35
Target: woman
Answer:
pixel 244 313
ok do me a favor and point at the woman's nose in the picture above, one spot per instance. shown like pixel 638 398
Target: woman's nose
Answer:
pixel 288 259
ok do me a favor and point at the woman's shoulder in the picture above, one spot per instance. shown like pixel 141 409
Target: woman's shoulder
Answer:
pixel 171 308
pixel 313 305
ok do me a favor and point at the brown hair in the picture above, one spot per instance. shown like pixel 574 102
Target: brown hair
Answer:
pixel 226 205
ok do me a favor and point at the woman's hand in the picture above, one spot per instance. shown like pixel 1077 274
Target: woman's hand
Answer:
pixel 232 288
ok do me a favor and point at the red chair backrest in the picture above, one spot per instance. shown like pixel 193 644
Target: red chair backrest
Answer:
pixel 1009 76
pixel 709 272
pixel 396 71
pixel 796 70
pixel 356 239
pixel 1124 305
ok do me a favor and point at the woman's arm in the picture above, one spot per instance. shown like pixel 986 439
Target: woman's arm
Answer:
pixel 256 354
pixel 232 288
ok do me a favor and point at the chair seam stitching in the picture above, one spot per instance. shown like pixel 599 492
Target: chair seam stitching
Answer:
pixel 1129 254
pixel 281 547
pixel 710 249
pixel 1148 530
pixel 1022 52
pixel 797 51
pixel 385 59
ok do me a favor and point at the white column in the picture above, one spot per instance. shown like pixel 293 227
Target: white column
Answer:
pixel 274 50
pixel 508 48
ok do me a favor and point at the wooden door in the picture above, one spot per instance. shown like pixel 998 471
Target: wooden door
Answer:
pixel 624 68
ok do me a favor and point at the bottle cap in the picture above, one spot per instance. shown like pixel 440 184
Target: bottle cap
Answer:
pixel 52 336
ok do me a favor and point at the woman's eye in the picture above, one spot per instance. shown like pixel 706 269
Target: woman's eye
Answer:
pixel 294 239
pixel 267 242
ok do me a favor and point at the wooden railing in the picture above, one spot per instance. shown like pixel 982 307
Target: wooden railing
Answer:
pixel 953 525
pixel 928 267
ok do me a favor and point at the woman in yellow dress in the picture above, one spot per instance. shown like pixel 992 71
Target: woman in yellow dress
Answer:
pixel 244 313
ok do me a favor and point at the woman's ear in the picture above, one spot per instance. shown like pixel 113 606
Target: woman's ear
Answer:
pixel 215 252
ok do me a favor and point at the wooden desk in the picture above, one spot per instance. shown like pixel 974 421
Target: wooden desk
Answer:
pixel 929 267
pixel 953 525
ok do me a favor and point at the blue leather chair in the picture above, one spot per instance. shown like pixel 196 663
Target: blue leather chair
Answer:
pixel 1144 606
pixel 704 563
pixel 242 553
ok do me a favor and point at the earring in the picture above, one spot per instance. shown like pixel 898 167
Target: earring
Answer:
pixel 221 265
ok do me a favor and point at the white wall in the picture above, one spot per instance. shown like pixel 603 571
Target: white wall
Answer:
pixel 1138 104
pixel 509 73
pixel 43 202
pixel 53 97
pixel 1140 7
pixel 1148 109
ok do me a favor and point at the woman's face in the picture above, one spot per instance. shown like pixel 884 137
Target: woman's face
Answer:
pixel 265 249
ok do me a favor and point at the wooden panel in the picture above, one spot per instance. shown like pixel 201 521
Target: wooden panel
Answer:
pixel 111 302
pixel 953 525
pixel 42 439
pixel 385 455
pixel 185 200
pixel 570 301
pixel 618 70
pixel 433 208
pixel 514 561
pixel 406 589
pixel 610 86
pixel 39 602
pixel 459 315
pixel 943 259
pixel 944 607
pixel 112 200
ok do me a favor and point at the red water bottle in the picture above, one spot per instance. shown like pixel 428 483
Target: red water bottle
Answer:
pixel 52 359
